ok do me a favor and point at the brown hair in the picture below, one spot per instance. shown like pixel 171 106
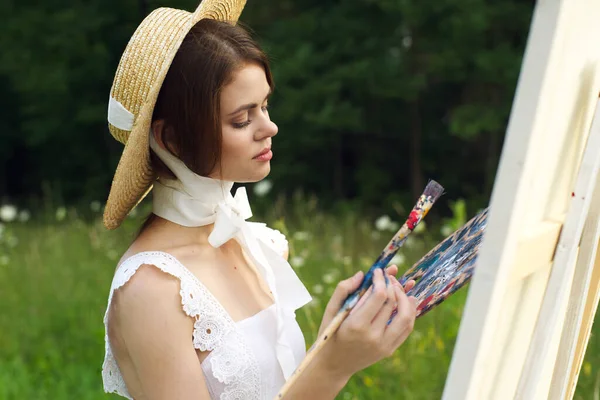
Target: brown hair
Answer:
pixel 189 99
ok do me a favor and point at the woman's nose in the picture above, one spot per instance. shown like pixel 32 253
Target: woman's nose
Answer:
pixel 268 129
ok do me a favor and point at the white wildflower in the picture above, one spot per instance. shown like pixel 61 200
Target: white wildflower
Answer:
pixel 393 226
pixel 297 261
pixel 382 223
pixel 262 188
pixel 407 42
pixel 318 288
pixel 329 277
pixel 112 255
pixel 301 235
pixel 446 230
pixel 61 213
pixel 24 216
pixel 385 223
pixel 4 260
pixel 8 213
pixel 398 259
pixel 95 206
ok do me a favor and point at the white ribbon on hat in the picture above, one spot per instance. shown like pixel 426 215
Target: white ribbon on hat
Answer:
pixel 119 116
pixel 194 200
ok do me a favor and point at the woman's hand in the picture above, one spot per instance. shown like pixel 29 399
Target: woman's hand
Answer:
pixel 346 287
pixel 365 336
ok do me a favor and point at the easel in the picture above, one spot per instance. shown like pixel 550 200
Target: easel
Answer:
pixel 522 335
pixel 561 315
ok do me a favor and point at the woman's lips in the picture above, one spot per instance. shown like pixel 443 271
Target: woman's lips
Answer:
pixel 265 155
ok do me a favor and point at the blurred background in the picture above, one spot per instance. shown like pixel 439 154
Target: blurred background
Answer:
pixel 372 99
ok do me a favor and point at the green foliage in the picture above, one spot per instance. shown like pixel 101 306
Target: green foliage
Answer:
pixel 459 216
pixel 373 96
pixel 55 278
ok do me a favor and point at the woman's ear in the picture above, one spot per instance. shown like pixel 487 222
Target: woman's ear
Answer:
pixel 162 133
pixel 158 127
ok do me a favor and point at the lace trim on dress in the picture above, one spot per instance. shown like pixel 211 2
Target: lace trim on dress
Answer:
pixel 232 361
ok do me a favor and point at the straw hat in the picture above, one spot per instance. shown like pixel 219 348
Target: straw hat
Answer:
pixel 139 77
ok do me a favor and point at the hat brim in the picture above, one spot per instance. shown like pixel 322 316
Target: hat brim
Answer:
pixel 134 175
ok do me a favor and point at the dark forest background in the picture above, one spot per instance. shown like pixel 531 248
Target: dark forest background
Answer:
pixel 373 97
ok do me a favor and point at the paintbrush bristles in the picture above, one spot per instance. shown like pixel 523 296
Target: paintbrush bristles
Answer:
pixel 433 190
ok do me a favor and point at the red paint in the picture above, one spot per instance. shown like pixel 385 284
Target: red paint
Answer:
pixel 413 219
pixel 425 303
pixel 448 287
pixel 572 194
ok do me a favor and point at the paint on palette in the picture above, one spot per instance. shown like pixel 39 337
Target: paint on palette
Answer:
pixel 448 266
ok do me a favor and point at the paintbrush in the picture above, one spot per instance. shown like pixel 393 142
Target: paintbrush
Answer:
pixel 432 192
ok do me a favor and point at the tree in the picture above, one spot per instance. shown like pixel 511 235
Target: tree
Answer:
pixel 373 97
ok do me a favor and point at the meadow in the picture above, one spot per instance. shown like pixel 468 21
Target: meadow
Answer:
pixel 56 268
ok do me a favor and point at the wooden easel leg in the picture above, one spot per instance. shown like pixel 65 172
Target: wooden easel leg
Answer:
pixel 591 305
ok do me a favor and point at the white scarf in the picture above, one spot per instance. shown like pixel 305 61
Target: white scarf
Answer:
pixel 193 200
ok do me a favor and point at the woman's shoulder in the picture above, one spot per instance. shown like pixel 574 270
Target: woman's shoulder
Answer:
pixel 144 287
pixel 142 280
pixel 147 270
pixel 151 285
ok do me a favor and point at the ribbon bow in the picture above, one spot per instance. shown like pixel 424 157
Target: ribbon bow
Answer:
pixel 230 217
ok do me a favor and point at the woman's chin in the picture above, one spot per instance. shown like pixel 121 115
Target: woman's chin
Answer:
pixel 262 176
pixel 256 176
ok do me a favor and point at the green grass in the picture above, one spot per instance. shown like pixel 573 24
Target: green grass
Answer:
pixel 55 276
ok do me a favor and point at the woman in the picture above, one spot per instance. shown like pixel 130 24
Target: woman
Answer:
pixel 202 305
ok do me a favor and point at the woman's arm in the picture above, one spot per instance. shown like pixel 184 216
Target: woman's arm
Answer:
pixel 154 339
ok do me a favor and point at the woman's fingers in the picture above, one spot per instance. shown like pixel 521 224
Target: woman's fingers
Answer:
pixel 392 270
pixel 342 291
pixel 380 321
pixel 362 300
pixel 374 298
pixel 402 324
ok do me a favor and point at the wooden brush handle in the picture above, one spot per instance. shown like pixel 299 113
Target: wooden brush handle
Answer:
pixel 313 351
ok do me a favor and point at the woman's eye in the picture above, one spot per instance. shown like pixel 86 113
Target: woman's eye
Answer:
pixel 265 108
pixel 240 125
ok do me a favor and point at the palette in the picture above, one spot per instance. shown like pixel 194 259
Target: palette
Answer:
pixel 448 266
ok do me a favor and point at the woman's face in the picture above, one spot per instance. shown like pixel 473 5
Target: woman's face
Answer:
pixel 246 127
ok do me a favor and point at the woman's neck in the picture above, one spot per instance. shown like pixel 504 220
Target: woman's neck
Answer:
pixel 173 235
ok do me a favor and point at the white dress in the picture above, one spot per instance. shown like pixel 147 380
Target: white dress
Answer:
pixel 242 363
